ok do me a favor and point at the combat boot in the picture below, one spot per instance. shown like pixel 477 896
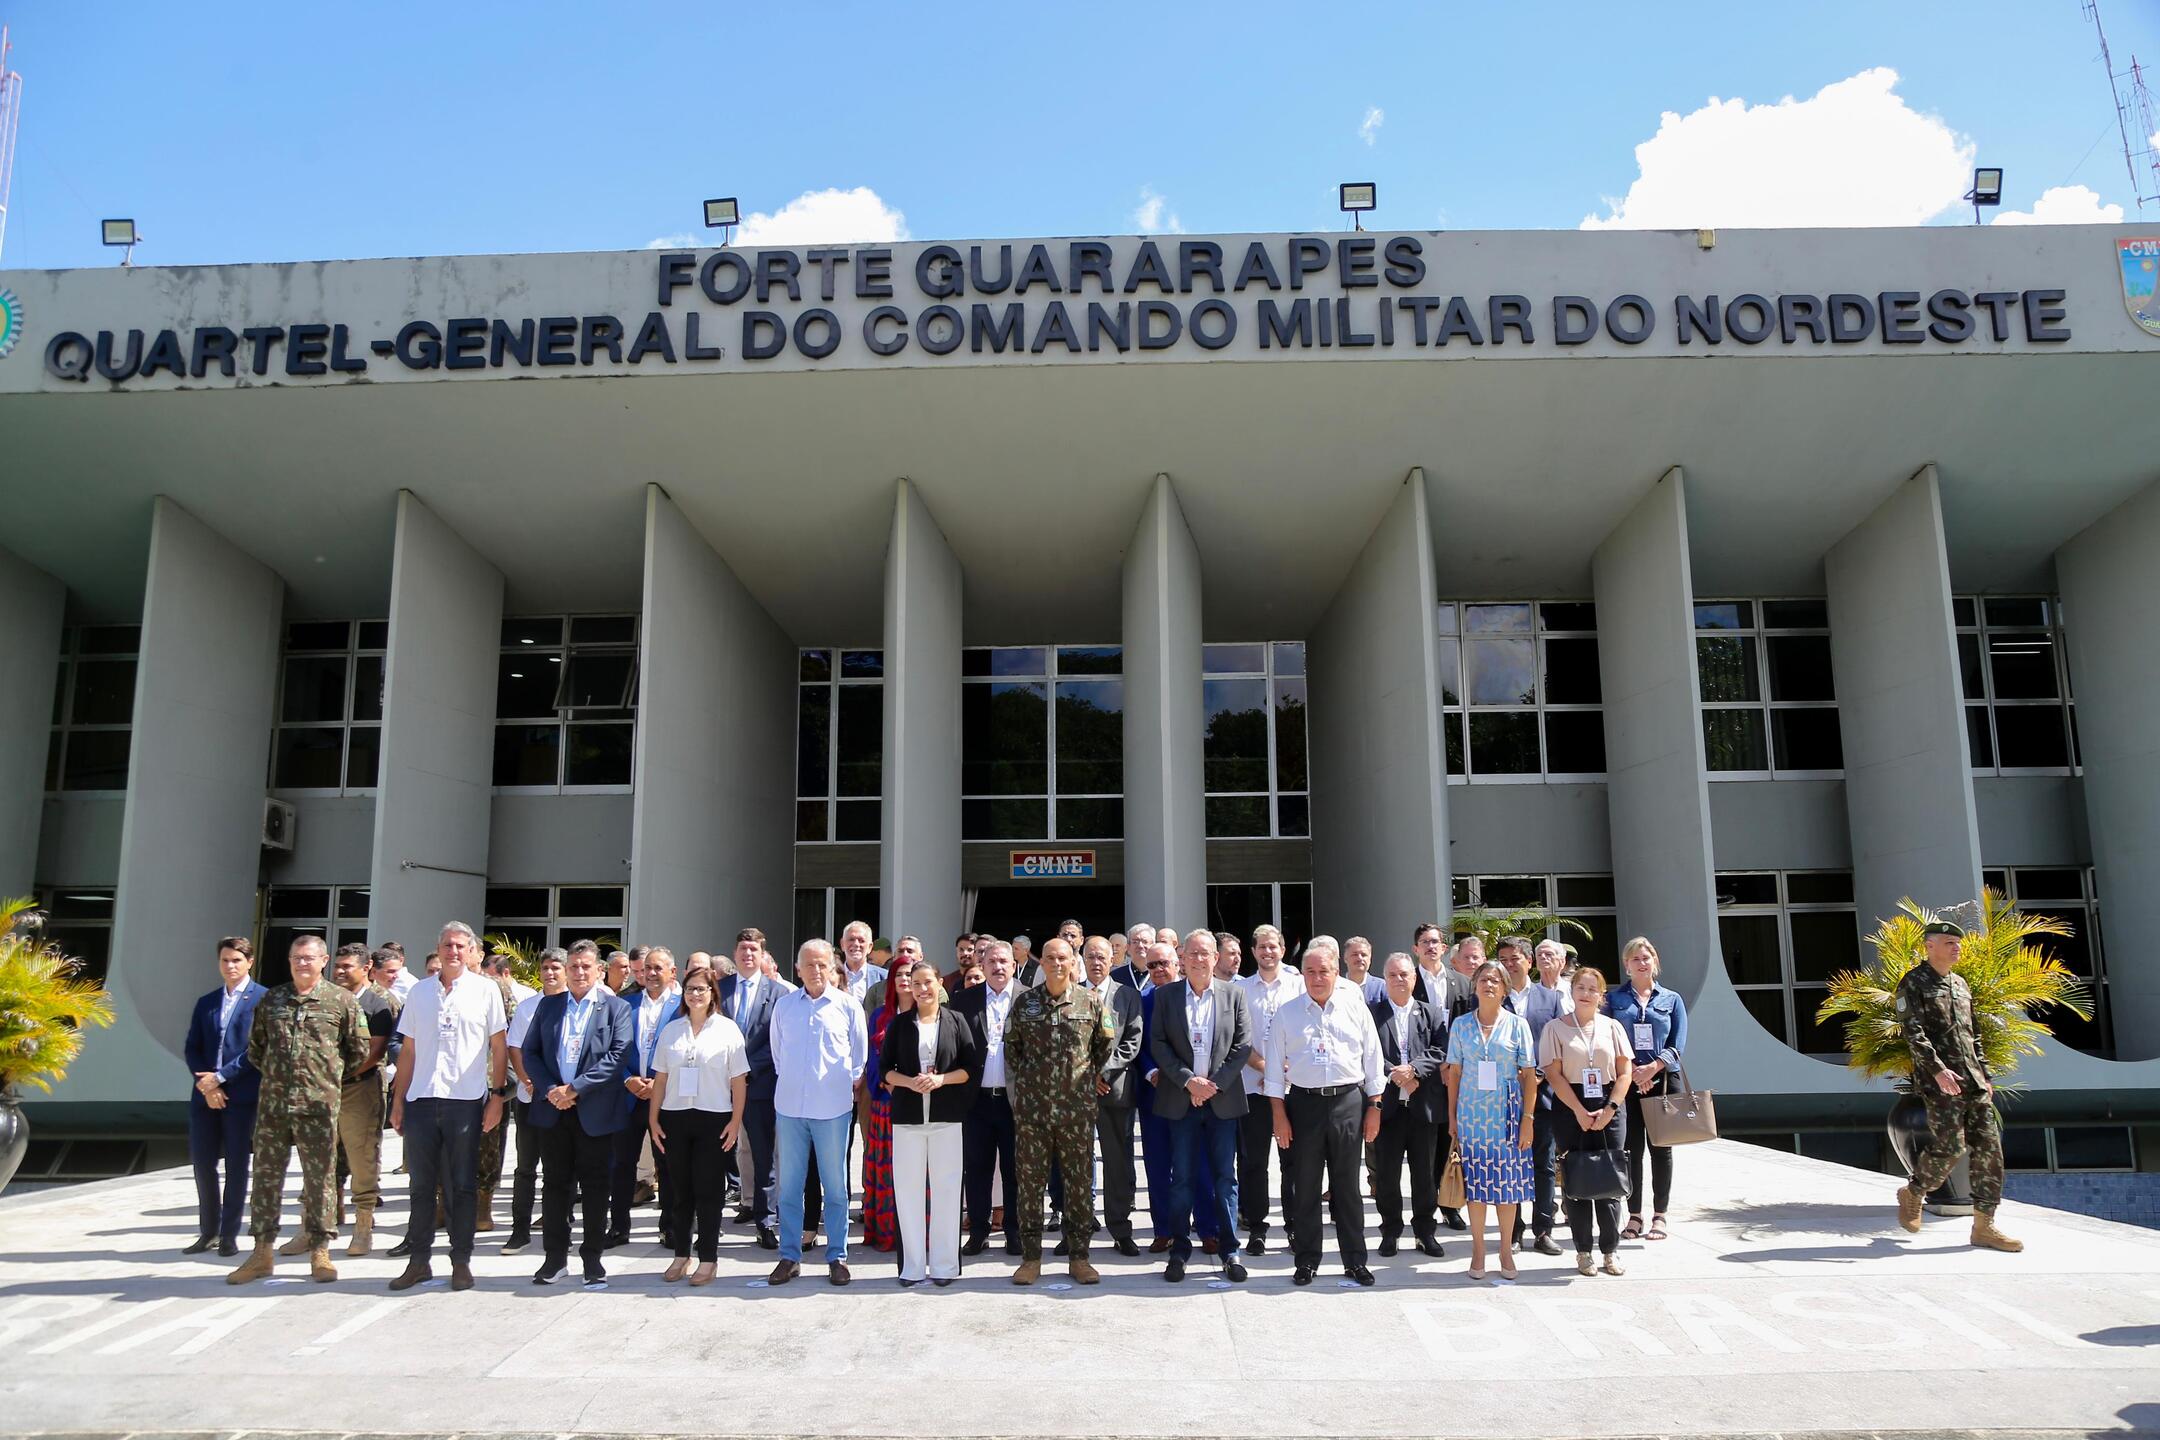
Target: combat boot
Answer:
pixel 1909 1201
pixel 320 1270
pixel 256 1266
pixel 298 1245
pixel 363 1234
pixel 1084 1273
pixel 1029 1272
pixel 1986 1237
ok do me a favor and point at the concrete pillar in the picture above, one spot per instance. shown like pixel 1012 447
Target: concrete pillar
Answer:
pixel 1893 655
pixel 437 773
pixel 702 754
pixel 919 862
pixel 1657 789
pixel 1379 775
pixel 1165 799
pixel 191 838
pixel 33 607
pixel 2108 592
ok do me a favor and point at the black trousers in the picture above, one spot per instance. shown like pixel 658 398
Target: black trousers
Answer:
pixel 525 1184
pixel 442 1149
pixel 758 1131
pixel 622 1174
pixel 574 1172
pixel 1114 1137
pixel 987 1141
pixel 220 1137
pixel 1327 1141
pixel 1256 1143
pixel 1545 1157
pixel 1638 1140
pixel 1569 1135
pixel 697 1172
pixel 1402 1137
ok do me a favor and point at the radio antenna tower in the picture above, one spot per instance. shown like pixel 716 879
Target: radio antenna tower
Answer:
pixel 10 121
pixel 2134 119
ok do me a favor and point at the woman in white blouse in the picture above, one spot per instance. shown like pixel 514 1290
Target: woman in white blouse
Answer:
pixel 699 1069
pixel 931 1061
pixel 1587 1059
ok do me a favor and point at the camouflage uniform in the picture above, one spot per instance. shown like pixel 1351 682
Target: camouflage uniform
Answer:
pixel 307 1047
pixel 1055 1047
pixel 490 1164
pixel 1935 1012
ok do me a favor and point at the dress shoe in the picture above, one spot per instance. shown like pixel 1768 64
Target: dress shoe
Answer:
pixel 256 1266
pixel 1389 1244
pixel 1256 1243
pixel 1454 1220
pixel 412 1275
pixel 1430 1245
pixel 1159 1244
pixel 643 1193
pixel 1029 1272
pixel 1012 1244
pixel 201 1243
pixel 460 1275
pixel 400 1250
pixel 941 1283
pixel 1233 1271
pixel 1359 1273
pixel 320 1270
pixel 783 1272
pixel 615 1240
pixel 743 1216
pixel 1209 1246
pixel 519 1240
pixel 1084 1273
pixel 550 1271
pixel 1175 1270
pixel 907 1284
pixel 228 1247
pixel 1545 1245
pixel 485 1219
pixel 976 1244
pixel 768 1238
pixel 837 1273
pixel 1302 1276
pixel 1125 1246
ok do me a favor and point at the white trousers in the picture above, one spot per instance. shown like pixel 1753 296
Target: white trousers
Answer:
pixel 928 1155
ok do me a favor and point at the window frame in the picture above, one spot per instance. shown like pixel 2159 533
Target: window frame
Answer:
pixel 832 799
pixel 566 716
pixel 1050 677
pixel 63 729
pixel 2088 923
pixel 1460 712
pixel 1270 674
pixel 553 922
pixel 1788 985
pixel 2064 700
pixel 352 654
pixel 1759 630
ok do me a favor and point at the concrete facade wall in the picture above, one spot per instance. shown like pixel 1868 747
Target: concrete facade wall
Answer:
pixel 33 606
pixel 1165 819
pixel 437 774
pixel 919 869
pixel 713 818
pixel 1380 817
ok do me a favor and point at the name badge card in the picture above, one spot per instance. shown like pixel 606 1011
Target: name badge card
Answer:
pixel 1488 1075
pixel 1644 1039
pixel 685 1081
pixel 1593 1084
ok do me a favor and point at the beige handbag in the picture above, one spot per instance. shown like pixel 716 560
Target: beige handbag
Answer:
pixel 1680 1116
pixel 1452 1195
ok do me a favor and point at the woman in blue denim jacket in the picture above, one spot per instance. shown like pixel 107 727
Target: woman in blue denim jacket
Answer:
pixel 1655 1022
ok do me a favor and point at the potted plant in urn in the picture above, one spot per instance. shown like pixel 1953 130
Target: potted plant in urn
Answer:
pixel 2010 976
pixel 44 1005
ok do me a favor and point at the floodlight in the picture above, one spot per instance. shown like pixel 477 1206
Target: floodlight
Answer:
pixel 119 232
pixel 1359 195
pixel 720 214
pixel 1986 189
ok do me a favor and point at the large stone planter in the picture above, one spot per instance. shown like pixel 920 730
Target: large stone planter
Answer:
pixel 1908 1126
pixel 14 1138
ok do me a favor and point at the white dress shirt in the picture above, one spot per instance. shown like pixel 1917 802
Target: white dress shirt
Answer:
pixel 858 982
pixel 1264 1000
pixel 1313 1045
pixel 446 1037
pixel 995 1008
pixel 521 1021
pixel 226 1005
pixel 1400 1018
pixel 648 1023
pixel 745 1000
pixel 699 1064
pixel 820 1044
pixel 402 986
pixel 1200 1025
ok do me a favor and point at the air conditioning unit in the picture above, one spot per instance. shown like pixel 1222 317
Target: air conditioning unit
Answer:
pixel 280 819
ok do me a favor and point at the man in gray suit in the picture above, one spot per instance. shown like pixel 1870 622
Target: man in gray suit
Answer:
pixel 1119 1088
pixel 1202 1039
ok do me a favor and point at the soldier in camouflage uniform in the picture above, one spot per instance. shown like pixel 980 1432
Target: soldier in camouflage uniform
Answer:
pixel 489 1174
pixel 1934 1009
pixel 309 1040
pixel 1056 1040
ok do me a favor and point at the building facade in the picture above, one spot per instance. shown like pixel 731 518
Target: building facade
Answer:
pixel 1719 587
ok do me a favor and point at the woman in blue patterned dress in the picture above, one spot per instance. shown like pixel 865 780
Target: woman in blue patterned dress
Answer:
pixel 1492 1093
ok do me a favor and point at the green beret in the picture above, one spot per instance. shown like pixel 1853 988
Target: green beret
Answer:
pixel 1944 927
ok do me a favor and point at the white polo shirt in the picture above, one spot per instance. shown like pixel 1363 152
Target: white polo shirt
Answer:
pixel 446 1037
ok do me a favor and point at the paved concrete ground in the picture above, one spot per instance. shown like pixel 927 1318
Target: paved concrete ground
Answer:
pixel 1786 1301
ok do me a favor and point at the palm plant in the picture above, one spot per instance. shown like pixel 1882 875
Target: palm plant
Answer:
pixel 1492 926
pixel 44 1002
pixel 523 956
pixel 2009 974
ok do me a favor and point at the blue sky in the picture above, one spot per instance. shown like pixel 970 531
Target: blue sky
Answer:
pixel 247 132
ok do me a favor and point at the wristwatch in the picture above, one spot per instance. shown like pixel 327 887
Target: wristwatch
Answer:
pixel 503 1091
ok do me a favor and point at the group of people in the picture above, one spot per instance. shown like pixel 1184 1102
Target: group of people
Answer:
pixel 985 1095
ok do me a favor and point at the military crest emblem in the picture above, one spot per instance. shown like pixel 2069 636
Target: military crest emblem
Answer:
pixel 2140 269
pixel 11 321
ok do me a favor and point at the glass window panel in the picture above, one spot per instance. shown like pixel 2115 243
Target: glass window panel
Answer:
pixel 318 635
pixel 862 740
pixel 1726 665
pixel 526 754
pixel 1733 740
pixel 1297 917
pixel 1451 734
pixel 531 630
pixel 352 902
pixel 2074 949
pixel 851 904
pixel 1459 892
pixel 1501 672
pixel 1600 948
pixel 1800 667
pixel 91 944
pixel 299 902
pixel 809 918
pixel 1509 892
pixel 1497 620
pixel 1746 888
pixel 108 640
pixel 1504 742
pixel 810 820
pixel 525 687
pixel 60 694
pixel 1583 891
pixel 1293 815
pixel 2077 756
pixel 1963 610
pixel 815 666
pixel 309 759
pixel 2030 737
pixel 1571 673
pixel 1768 1008
pixel 858 819
pixel 1289 657
pixel 975 660
pixel 862 664
pixel 1970 679
pixel 1004 819
pixel 96 760
pixel 2023 666
pixel 2091 1036
pixel 81 905
pixel 1236 815
pixel 591 902
pixel 1090 737
pixel 1823 943
pixel 2050 885
pixel 1807 739
pixel 1444 617
pixel 1979 737
pixel 53 747
pixel 1233 659
pixel 1796 614
pixel 104 692
pixel 1004 740
pixel 1568 615
pixel 1235 744
pixel 1100 819
pixel 1819 887
pixel 1449 651
pixel 2016 610
pixel 367 688
pixel 1725 615
pixel 518 902
pixel 2024 1147
pixel 1290 735
pixel 599 754
pixel 1823 1038
pixel 1240 909
pixel 813 740
pixel 603 630
pixel 1020 660
pixel 374 635
pixel 314 689
pixel 598 680
pixel 2093 1147
pixel 1090 659
pixel 1575 742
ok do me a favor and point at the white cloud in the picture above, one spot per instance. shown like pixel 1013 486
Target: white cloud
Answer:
pixel 1854 153
pixel 2064 205
pixel 682 240
pixel 1368 129
pixel 1153 215
pixel 815 217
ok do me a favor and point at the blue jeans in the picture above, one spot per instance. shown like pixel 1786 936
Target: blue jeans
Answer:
pixel 798 1140
pixel 442 1151
pixel 1203 1179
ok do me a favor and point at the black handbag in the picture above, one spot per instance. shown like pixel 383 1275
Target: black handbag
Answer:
pixel 1599 1174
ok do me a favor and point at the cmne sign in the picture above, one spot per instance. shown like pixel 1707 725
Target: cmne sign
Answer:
pixel 1053 864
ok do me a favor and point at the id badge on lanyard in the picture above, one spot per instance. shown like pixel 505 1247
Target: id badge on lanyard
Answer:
pixel 686 1076
pixel 1645 1036
pixel 1593 1084
pixel 1488 1075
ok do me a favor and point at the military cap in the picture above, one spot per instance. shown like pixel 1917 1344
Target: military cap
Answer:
pixel 1944 927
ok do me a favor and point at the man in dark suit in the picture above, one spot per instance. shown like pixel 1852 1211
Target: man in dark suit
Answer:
pixel 1140 939
pixel 1119 1091
pixel 650 1009
pixel 575 1050
pixel 989 1136
pixel 1202 1038
pixel 1413 1049
pixel 747 997
pixel 1447 989
pixel 221 1108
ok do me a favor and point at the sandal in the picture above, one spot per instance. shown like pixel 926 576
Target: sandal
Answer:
pixel 1657 1227
pixel 1634 1228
